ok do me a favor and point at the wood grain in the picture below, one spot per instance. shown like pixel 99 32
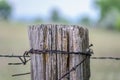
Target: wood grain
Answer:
pixel 52 66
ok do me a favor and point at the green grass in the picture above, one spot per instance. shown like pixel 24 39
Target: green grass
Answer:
pixel 14 40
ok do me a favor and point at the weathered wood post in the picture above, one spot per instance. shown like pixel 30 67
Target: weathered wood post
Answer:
pixel 53 65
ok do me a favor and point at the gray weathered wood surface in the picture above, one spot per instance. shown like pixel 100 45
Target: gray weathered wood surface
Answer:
pixel 51 66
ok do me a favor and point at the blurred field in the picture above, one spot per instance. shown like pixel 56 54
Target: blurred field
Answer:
pixel 14 40
pixel 106 43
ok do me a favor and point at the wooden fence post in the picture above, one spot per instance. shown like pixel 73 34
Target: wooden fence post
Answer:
pixel 52 66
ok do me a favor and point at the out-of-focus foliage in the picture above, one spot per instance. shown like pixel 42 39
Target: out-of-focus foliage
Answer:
pixel 107 5
pixel 109 21
pixel 5 10
pixel 110 13
pixel 117 26
pixel 85 20
pixel 55 15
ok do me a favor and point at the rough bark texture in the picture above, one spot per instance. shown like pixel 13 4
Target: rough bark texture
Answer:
pixel 51 66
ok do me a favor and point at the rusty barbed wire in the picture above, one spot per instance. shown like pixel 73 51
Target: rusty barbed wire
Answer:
pixel 24 60
pixel 20 74
pixel 112 58
pixel 74 68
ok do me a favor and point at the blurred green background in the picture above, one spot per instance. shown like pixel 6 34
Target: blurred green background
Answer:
pixel 101 17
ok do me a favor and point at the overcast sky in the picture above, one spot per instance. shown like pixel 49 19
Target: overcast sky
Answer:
pixel 68 8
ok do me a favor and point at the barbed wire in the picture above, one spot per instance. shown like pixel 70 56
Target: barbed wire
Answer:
pixel 73 68
pixel 20 74
pixel 112 58
pixel 101 57
pixel 24 60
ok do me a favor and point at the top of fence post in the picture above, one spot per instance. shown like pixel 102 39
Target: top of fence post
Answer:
pixel 60 39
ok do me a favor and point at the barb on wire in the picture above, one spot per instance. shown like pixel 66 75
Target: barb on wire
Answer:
pixel 19 63
pixel 22 58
